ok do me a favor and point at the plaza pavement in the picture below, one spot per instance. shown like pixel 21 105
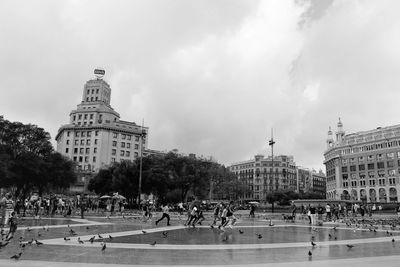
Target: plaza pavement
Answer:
pixel 57 252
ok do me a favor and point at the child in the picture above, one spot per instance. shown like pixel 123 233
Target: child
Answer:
pixel 13 226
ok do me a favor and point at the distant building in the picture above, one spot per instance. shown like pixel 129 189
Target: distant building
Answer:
pixel 310 181
pixel 262 178
pixel 95 136
pixel 363 165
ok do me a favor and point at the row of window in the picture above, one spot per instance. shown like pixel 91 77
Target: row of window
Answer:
pixel 381 182
pixel 125 136
pixel 390 155
pixel 370 147
pixel 371 174
pixel 84 159
pixel 370 166
pixel 83 133
pixel 123 145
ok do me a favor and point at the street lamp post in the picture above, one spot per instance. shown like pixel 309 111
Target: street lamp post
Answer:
pixel 142 136
pixel 271 143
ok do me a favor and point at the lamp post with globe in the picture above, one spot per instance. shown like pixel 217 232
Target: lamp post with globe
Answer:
pixel 142 136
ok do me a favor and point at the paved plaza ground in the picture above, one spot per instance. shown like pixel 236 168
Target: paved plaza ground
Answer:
pixel 129 240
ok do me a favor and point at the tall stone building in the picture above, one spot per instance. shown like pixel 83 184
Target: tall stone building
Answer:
pixel 262 175
pixel 95 136
pixel 364 165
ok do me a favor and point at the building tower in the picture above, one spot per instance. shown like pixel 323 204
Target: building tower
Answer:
pixel 329 140
pixel 95 137
pixel 340 133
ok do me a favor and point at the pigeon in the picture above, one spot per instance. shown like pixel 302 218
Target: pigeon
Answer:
pixel 22 245
pixel 39 234
pixel 87 227
pixel 387 232
pixel 240 231
pixel 100 236
pixel 38 243
pixel 110 237
pixel 165 234
pixel 374 230
pixel 313 244
pixel 29 229
pixel 92 239
pixel 259 236
pixel 2 245
pixel 335 237
pixel 16 256
pixel 30 242
pixel 212 226
pixel 67 239
pixel 144 232
pixel 309 253
pixel 393 240
pixel 80 241
pixel 103 248
pixel 72 232
pixel 154 243
pixel 330 236
pixel 350 246
pixel 334 228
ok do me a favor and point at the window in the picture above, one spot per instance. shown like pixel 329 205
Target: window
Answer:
pixel 136 154
pixel 361 167
pixel 136 138
pixel 80 159
pixel 82 141
pixel 362 175
pixel 87 99
pixel 94 159
pixel 380 165
pixel 76 142
pixel 92 91
pixel 88 142
pixel 370 157
pixel 83 134
pixel 86 159
pixel 390 155
pixel 87 150
pixel 345 176
pixel 344 169
pixel 95 141
pixel 122 144
pixel 95 150
pixel 136 146
pixel 97 91
pixel 353 168
pixel 88 91
pixel 371 174
pixel 112 159
pixel 392 181
pixel 67 142
pixel 128 145
pixel 68 133
pixel 129 137
pixel 123 136
pixel 390 164
pixel 361 159
pixel 89 134
pixel 96 133
pixel 115 135
pixel 75 159
pixel 362 183
pixel 345 184
pixel 371 182
pixel 97 98
pixel 76 134
pixel 74 118
pixel 91 99
pixel 114 143
pixel 381 173
pixel 128 154
pixel 391 172
pixel 81 151
pixel 381 181
pixel 113 152
pixel 66 150
pixel 91 116
pixel 85 117
pixel 122 153
pixel 371 166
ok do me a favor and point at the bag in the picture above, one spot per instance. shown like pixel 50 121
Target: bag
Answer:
pixel 308 213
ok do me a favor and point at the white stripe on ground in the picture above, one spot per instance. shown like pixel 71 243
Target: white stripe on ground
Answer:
pixel 387 261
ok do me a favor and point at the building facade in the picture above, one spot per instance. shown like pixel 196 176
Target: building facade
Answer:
pixel 364 165
pixel 95 136
pixel 310 181
pixel 264 175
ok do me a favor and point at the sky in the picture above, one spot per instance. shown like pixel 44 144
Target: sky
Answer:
pixel 210 77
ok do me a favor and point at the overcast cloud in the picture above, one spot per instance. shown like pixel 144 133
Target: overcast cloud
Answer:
pixel 208 77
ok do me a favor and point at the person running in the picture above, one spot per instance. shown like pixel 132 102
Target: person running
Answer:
pixel 192 216
pixel 313 215
pixel 13 226
pixel 231 219
pixel 216 215
pixel 223 216
pixel 165 214
pixel 199 216
pixel 328 212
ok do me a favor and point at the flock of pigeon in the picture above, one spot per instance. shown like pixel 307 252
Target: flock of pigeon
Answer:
pixel 354 223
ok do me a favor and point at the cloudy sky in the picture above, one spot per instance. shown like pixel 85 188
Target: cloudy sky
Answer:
pixel 208 77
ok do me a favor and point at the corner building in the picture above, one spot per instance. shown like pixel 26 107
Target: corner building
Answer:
pixel 363 166
pixel 95 136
